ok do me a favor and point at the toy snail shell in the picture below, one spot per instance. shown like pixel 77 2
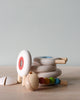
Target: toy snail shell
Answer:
pixel 31 81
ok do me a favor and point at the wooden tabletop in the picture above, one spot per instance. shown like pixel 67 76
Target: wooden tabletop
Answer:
pixel 17 92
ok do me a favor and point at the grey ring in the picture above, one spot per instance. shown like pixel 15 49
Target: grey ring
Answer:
pixel 54 74
pixel 43 68
pixel 44 60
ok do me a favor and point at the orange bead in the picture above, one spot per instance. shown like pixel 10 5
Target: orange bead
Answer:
pixel 47 81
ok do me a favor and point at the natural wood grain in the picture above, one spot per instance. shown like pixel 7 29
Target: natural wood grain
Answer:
pixel 19 79
pixel 60 60
pixel 17 92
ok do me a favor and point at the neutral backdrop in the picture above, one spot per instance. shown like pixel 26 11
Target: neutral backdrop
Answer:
pixel 44 27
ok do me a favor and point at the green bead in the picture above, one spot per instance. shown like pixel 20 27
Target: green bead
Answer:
pixel 52 80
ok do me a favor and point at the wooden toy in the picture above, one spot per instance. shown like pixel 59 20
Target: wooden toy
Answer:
pixel 3 80
pixel 10 81
pixel 32 81
pixel 61 60
pixel 45 68
pixel 46 60
pixel 23 65
pixel 55 73
pixel 6 80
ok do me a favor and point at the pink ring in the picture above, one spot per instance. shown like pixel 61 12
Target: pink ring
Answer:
pixel 19 64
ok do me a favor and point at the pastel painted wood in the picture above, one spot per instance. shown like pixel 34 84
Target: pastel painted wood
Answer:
pixel 43 68
pixel 54 74
pixel 3 80
pixel 11 81
pixel 7 80
pixel 44 60
pixel 50 60
pixel 24 61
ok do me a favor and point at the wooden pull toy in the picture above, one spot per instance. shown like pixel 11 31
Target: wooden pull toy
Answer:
pixel 32 81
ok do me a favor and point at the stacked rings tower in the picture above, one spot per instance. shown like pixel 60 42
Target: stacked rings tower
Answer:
pixel 46 68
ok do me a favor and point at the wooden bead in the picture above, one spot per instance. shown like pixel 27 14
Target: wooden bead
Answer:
pixel 47 81
pixel 41 80
pixel 32 81
pixel 57 81
pixel 52 80
pixel 63 82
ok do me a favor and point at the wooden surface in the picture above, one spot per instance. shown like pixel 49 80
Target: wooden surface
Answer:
pixel 17 92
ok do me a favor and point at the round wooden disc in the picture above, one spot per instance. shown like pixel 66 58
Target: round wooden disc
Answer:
pixel 24 63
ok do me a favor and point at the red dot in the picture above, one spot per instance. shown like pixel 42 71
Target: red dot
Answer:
pixel 41 80
pixel 21 63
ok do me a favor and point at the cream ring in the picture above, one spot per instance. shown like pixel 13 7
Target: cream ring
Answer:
pixel 50 74
pixel 23 63
pixel 45 60
pixel 36 64
pixel 43 68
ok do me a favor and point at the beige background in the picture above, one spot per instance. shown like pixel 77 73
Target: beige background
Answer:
pixel 45 27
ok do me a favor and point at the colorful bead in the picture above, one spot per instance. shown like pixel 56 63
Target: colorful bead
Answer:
pixel 52 80
pixel 63 82
pixel 47 81
pixel 41 80
pixel 57 81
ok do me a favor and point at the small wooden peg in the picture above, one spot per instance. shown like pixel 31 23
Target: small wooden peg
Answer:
pixel 66 59
pixel 64 83
pixel 61 60
pixel 19 80
pixel 23 80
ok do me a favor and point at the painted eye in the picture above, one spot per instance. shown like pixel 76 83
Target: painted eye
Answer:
pixel 23 63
